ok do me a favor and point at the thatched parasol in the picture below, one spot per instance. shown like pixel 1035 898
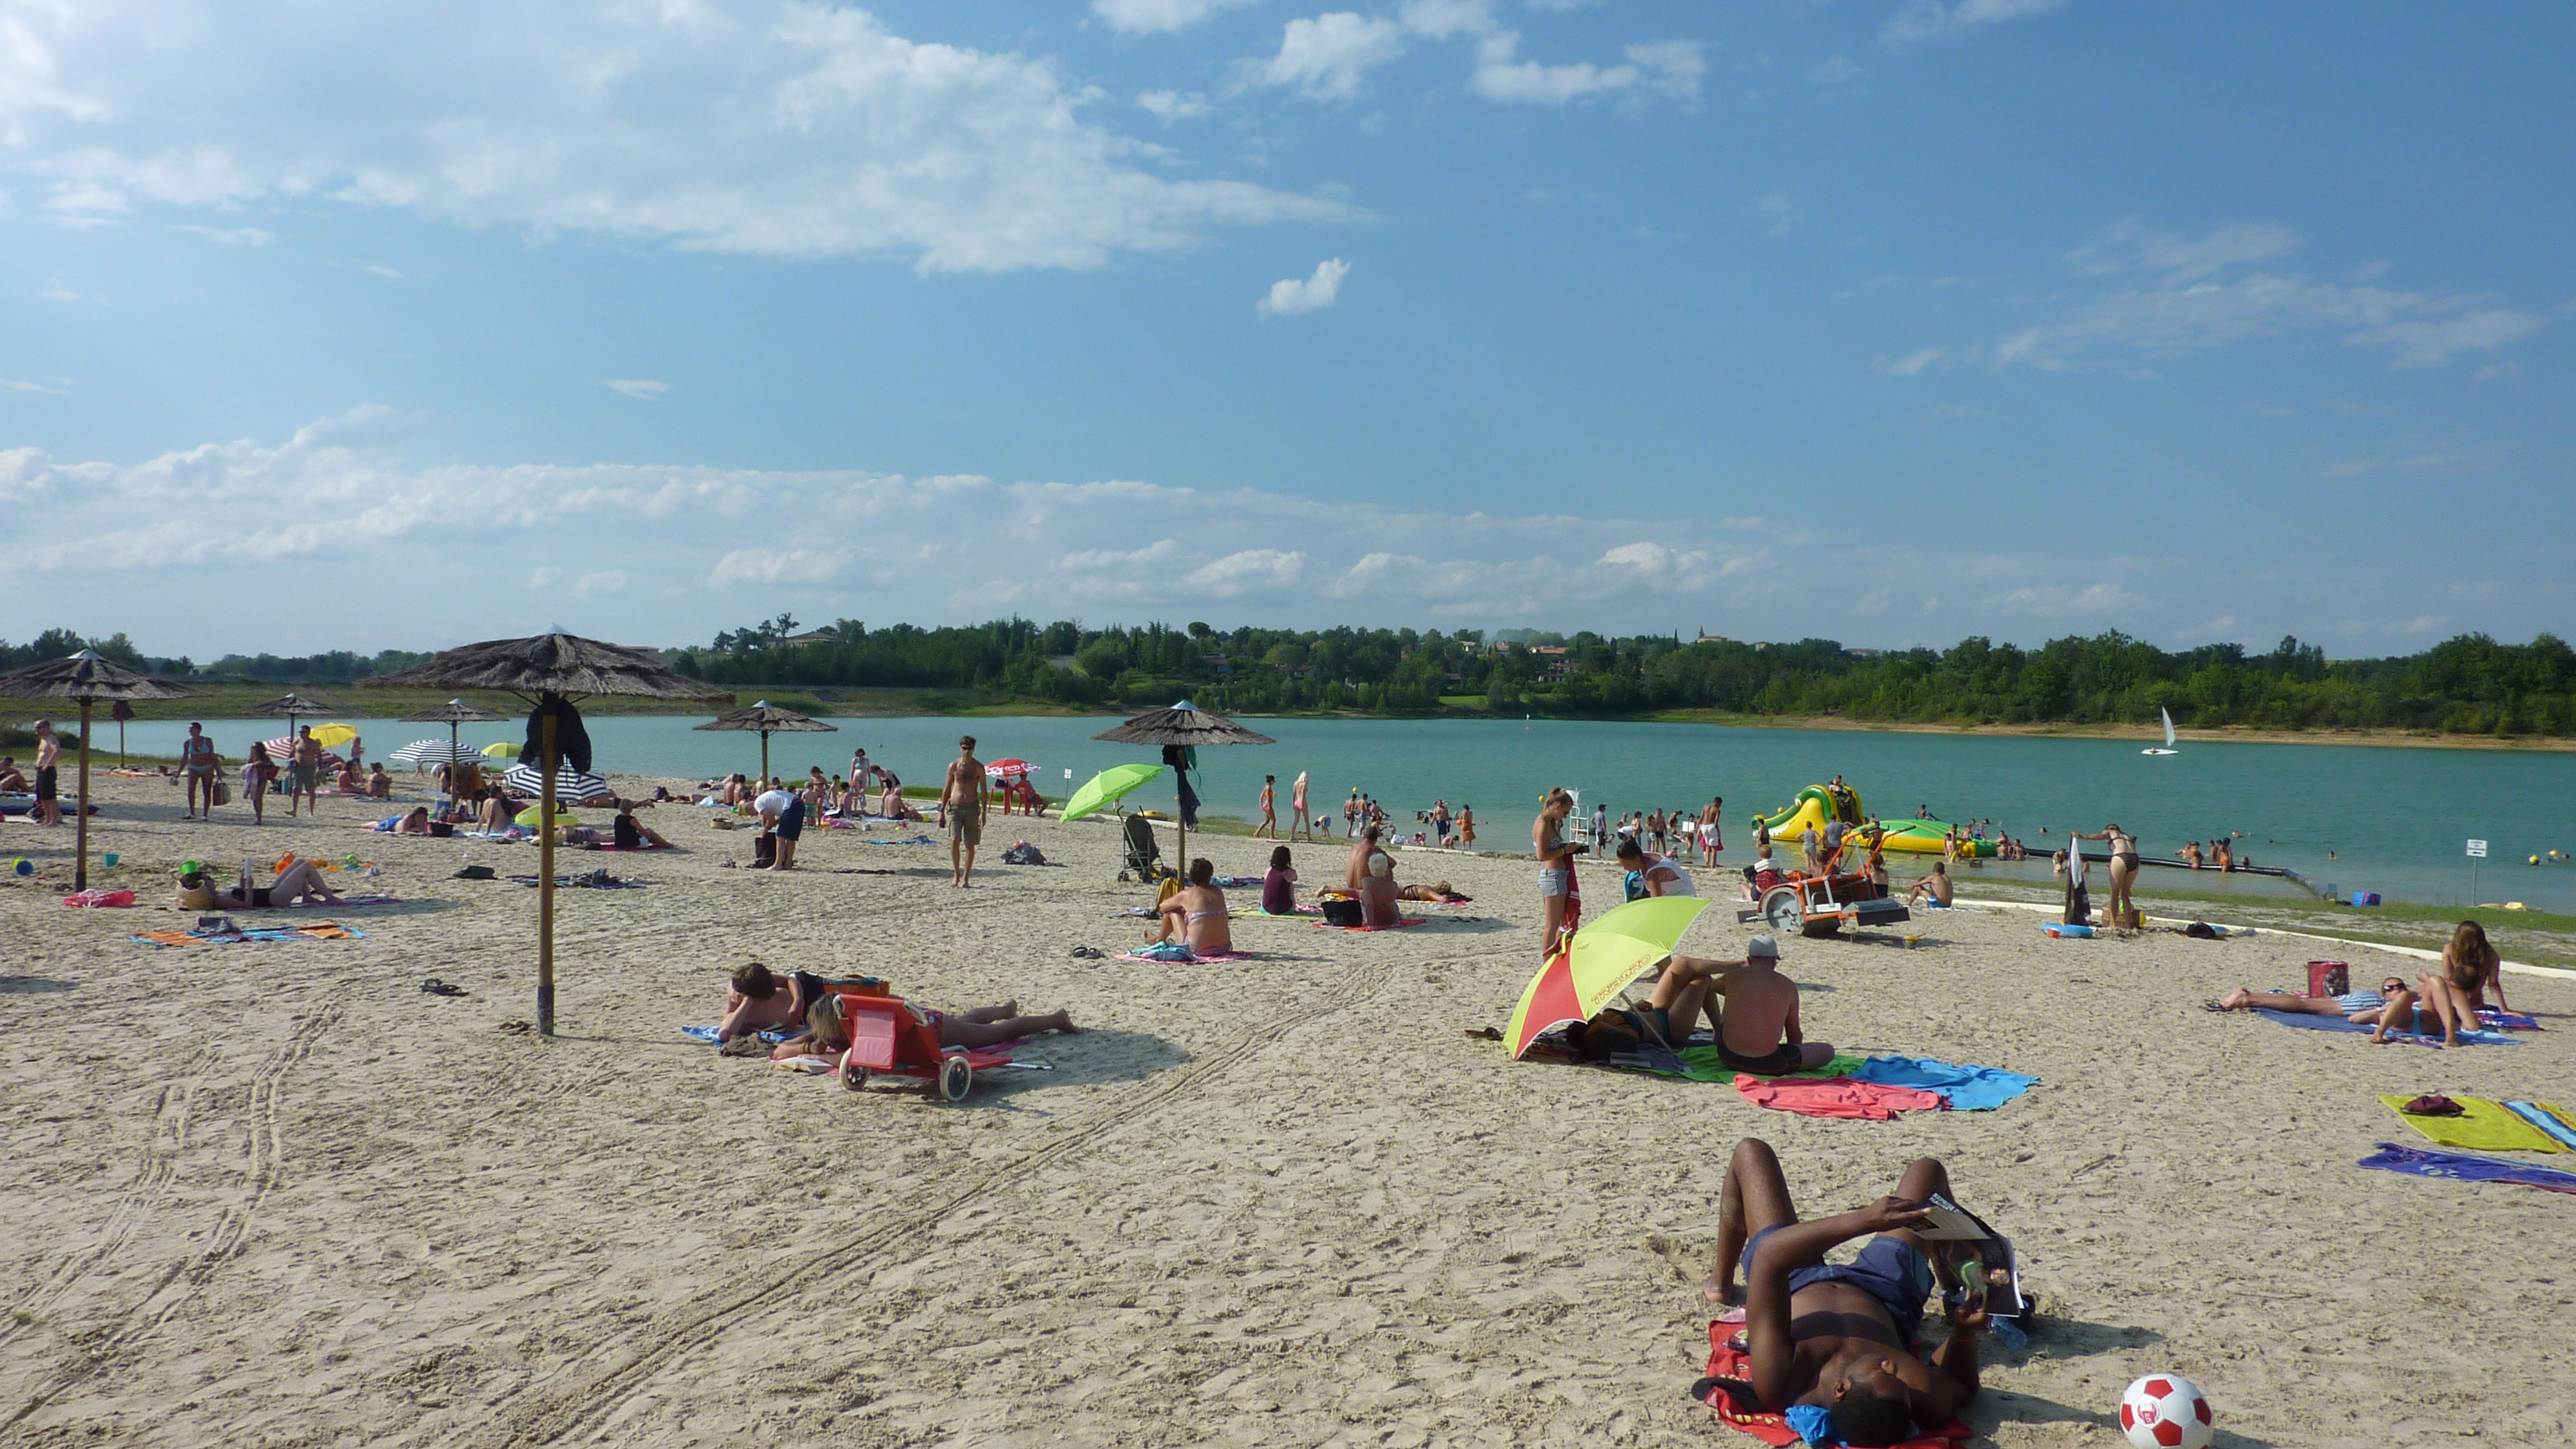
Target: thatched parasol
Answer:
pixel 538 669
pixel 87 678
pixel 769 719
pixel 1183 724
pixel 451 714
pixel 292 705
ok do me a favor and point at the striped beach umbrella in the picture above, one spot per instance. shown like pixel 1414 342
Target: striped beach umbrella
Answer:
pixel 423 753
pixel 570 784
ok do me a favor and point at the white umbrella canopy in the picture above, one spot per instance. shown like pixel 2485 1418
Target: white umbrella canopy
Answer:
pixel 432 752
pixel 578 786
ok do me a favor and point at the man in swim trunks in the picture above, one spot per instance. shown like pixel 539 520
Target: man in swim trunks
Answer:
pixel 49 754
pixel 1757 1007
pixel 1841 1338
pixel 304 778
pixel 1712 830
pixel 1935 888
pixel 962 803
pixel 197 760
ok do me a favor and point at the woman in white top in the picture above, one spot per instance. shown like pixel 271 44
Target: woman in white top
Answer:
pixel 1662 876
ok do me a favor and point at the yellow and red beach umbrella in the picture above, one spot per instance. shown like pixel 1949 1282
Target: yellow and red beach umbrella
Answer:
pixel 1599 962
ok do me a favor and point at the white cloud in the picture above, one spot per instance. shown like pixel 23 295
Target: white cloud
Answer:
pixel 1326 58
pixel 1144 17
pixel 385 271
pixel 1932 20
pixel 772 127
pixel 1671 67
pixel 1835 72
pixel 696 545
pixel 2168 294
pixel 1170 106
pixel 55 291
pixel 12 384
pixel 237 236
pixel 1288 296
pixel 1442 19
pixel 1911 363
pixel 637 387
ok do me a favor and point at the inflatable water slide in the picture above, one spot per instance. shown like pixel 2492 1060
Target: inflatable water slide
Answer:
pixel 1815 807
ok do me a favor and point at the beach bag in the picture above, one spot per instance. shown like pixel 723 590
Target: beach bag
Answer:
pixel 1023 853
pixel 442 828
pixel 223 792
pixel 195 894
pixel 2329 978
pixel 764 851
pixel 1338 912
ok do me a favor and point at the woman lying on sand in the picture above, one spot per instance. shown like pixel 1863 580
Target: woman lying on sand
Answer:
pixel 827 1033
pixel 2391 1008
pixel 298 884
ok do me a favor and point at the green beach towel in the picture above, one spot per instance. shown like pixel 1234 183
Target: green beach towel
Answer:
pixel 1700 1064
pixel 2482 1125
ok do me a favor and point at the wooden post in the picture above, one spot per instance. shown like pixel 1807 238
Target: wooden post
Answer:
pixel 546 876
pixel 763 782
pixel 80 861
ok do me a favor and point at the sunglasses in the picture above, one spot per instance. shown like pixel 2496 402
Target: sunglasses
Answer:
pixel 2392 986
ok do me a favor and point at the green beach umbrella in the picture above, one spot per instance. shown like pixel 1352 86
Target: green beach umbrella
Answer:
pixel 1106 788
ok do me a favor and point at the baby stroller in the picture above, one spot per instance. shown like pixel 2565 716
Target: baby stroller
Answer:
pixel 1142 852
pixel 890 1035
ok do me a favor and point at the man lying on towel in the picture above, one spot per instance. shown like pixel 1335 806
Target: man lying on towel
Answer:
pixel 1842 1338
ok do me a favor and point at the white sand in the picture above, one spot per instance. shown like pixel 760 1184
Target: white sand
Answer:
pixel 275 1194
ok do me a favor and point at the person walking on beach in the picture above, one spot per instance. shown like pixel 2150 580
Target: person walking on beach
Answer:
pixel 1556 887
pixel 1269 808
pixel 48 809
pixel 1712 836
pixel 1298 818
pixel 962 802
pixel 258 773
pixel 1600 825
pixel 306 778
pixel 197 760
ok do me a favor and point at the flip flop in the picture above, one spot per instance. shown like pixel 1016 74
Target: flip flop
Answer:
pixel 436 987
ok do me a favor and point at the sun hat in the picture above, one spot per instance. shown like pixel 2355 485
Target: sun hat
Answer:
pixel 1762 946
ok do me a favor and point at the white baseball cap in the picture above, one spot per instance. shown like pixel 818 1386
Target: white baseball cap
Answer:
pixel 1762 946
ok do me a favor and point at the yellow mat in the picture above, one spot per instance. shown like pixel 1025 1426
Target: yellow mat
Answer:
pixel 2484 1125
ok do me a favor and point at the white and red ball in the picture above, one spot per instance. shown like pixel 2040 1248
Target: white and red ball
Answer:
pixel 2165 1411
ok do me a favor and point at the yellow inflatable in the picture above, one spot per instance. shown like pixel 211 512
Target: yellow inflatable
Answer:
pixel 1816 807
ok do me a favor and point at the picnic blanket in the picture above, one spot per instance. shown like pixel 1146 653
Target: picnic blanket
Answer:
pixel 1395 925
pixel 2309 1021
pixel 1970 1089
pixel 323 931
pixel 1836 1097
pixel 2466 1167
pixel 1727 1360
pixel 2481 1124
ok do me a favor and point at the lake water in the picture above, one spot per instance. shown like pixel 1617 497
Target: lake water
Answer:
pixel 2397 819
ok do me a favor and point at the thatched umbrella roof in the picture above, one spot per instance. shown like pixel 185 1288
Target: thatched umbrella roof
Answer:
pixel 87 677
pixel 291 704
pixel 455 711
pixel 768 719
pixel 1182 724
pixel 562 664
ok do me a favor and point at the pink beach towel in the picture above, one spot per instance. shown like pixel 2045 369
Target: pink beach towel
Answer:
pixel 1836 1097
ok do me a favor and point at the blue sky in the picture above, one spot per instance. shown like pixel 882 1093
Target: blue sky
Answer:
pixel 1888 320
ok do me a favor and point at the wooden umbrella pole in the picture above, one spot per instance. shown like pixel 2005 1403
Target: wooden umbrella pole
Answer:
pixel 763 782
pixel 546 876
pixel 452 746
pixel 80 861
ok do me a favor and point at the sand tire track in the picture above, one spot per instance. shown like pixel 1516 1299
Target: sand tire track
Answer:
pixel 738 1308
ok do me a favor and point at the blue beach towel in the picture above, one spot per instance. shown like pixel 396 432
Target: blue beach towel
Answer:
pixel 2308 1022
pixel 2539 1117
pixel 2467 1167
pixel 1970 1089
pixel 706 1035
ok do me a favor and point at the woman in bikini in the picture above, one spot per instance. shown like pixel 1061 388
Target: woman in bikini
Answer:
pixel 1298 819
pixel 257 772
pixel 1195 915
pixel 2124 867
pixel 1555 865
pixel 2455 994
pixel 300 883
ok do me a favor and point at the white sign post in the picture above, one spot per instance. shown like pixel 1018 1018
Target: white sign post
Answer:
pixel 2477 852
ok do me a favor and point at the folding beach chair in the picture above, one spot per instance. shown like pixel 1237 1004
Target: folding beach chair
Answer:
pixel 1142 852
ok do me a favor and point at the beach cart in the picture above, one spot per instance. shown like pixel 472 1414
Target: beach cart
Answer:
pixel 891 1036
pixel 1822 906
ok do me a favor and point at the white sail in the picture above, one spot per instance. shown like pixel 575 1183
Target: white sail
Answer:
pixel 2168 714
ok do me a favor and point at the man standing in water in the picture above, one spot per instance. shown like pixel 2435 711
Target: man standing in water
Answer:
pixel 1712 835
pixel 962 801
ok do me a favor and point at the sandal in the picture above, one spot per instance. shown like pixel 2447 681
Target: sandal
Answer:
pixel 436 987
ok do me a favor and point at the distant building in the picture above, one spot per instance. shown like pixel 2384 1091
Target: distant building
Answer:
pixel 1706 637
pixel 811 636
pixel 1864 653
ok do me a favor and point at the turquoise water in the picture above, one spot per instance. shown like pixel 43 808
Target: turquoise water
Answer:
pixel 2396 818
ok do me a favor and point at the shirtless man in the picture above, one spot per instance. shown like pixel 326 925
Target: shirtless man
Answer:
pixel 1355 872
pixel 1712 830
pixel 197 760
pixel 304 780
pixel 1269 808
pixel 962 803
pixel 1758 1029
pixel 49 759
pixel 1841 1339
pixel 1935 888
pixel 759 1001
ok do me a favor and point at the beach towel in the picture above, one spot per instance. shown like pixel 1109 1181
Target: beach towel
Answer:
pixel 1172 953
pixel 631 849
pixel 324 931
pixel 1699 1062
pixel 1255 913
pixel 99 899
pixel 2552 1120
pixel 2466 1168
pixel 2481 1124
pixel 598 880
pixel 2488 1016
pixel 913 840
pixel 2059 928
pixel 1394 925
pixel 1728 1361
pixel 1970 1089
pixel 1836 1097
pixel 706 1035
pixel 2308 1021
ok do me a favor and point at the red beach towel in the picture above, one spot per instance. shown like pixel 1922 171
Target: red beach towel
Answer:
pixel 1726 1361
pixel 1836 1097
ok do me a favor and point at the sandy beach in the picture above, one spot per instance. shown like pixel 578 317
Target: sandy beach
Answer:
pixel 276 1194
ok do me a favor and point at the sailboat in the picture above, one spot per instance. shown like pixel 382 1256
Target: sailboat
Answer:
pixel 2169 739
